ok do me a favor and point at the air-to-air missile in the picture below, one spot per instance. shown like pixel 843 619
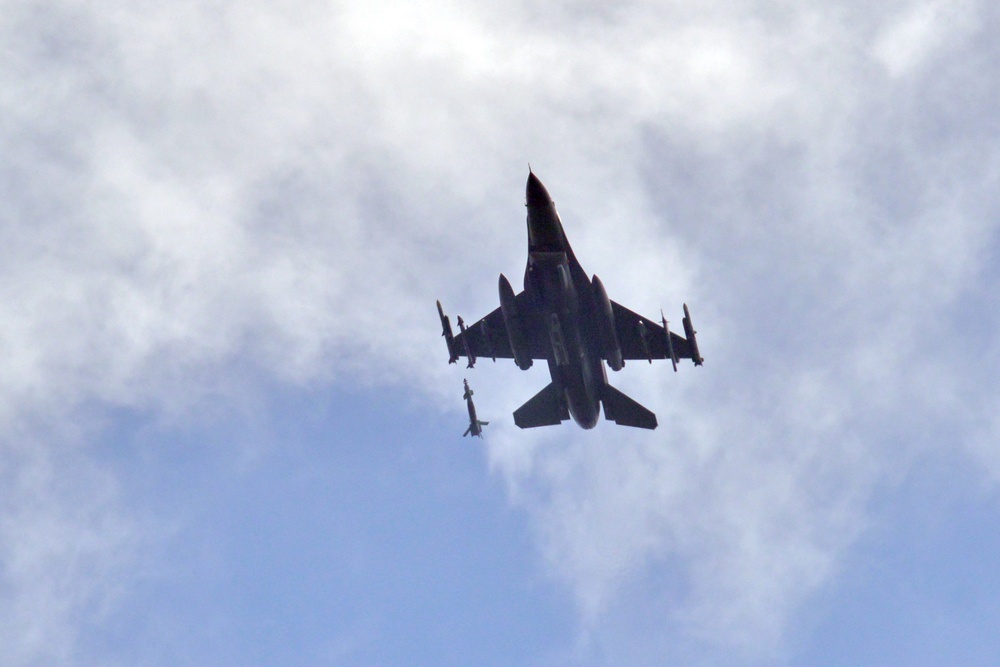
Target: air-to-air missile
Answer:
pixel 475 426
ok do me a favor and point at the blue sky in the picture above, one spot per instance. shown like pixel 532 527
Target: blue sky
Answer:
pixel 228 434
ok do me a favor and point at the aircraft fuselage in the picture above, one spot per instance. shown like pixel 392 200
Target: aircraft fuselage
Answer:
pixel 562 296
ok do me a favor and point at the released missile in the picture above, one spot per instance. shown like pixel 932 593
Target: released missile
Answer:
pixel 475 426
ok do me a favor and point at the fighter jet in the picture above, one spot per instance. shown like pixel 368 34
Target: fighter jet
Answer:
pixel 567 319
pixel 475 426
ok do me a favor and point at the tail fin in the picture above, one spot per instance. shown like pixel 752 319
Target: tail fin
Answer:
pixel 624 411
pixel 546 408
pixel 475 429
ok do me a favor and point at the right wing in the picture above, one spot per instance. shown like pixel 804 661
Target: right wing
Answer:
pixel 630 327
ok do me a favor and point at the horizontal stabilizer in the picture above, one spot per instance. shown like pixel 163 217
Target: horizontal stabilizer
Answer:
pixel 624 411
pixel 546 408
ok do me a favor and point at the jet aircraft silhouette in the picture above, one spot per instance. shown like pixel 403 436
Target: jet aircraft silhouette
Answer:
pixel 568 320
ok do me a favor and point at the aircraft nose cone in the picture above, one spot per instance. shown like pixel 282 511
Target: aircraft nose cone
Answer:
pixel 535 192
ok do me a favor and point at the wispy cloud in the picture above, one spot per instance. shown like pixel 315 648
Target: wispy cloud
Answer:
pixel 67 549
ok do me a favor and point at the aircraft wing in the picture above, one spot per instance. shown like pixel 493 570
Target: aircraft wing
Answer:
pixel 488 338
pixel 630 326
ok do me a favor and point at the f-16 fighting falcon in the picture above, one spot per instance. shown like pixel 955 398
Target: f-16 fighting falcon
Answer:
pixel 475 426
pixel 567 319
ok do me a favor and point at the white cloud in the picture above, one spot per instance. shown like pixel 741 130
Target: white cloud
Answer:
pixel 919 31
pixel 67 550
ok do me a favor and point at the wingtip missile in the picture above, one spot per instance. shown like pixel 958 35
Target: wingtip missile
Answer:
pixel 691 336
pixel 449 338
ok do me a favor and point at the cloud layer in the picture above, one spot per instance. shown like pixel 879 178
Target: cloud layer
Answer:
pixel 200 193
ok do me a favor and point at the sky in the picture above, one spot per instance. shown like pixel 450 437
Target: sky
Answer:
pixel 228 431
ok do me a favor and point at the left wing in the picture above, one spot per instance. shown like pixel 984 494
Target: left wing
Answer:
pixel 485 338
pixel 489 338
